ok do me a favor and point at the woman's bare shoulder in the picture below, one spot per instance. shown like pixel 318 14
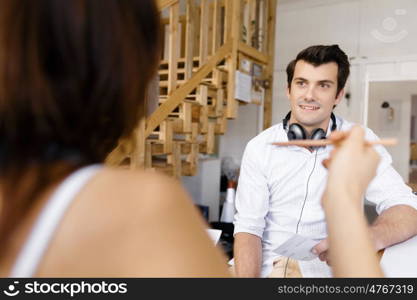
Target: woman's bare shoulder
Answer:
pixel 131 194
pixel 134 185
pixel 127 223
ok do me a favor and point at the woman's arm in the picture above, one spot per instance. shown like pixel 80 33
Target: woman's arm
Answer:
pixel 352 165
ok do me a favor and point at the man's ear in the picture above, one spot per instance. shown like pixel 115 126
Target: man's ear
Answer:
pixel 339 96
pixel 288 92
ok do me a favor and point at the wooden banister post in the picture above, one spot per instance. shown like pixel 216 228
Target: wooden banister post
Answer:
pixel 189 39
pixel 173 47
pixel 232 105
pixel 270 66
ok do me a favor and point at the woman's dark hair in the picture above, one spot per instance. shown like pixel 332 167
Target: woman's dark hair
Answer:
pixel 319 55
pixel 73 77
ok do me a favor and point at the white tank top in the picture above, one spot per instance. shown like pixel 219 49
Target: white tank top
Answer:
pixel 48 221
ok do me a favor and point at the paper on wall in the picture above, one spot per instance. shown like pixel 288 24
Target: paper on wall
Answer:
pixel 243 86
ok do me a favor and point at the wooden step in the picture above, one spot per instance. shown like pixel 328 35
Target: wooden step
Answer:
pixel 182 70
pixel 190 99
pixel 208 82
pixel 164 83
pixel 179 71
pixel 180 60
pixel 157 147
pixel 222 69
pixel 163 167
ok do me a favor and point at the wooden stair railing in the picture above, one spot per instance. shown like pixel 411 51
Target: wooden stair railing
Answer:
pixel 197 81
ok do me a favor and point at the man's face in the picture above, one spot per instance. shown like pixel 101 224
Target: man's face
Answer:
pixel 313 94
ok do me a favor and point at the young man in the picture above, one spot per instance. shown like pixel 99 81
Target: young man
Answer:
pixel 280 188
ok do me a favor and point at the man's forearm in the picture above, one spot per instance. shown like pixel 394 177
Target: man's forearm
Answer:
pixel 247 255
pixel 396 224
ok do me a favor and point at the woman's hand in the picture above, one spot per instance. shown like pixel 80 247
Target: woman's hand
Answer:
pixel 352 165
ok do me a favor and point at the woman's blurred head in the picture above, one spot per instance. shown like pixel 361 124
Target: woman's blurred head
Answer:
pixel 73 75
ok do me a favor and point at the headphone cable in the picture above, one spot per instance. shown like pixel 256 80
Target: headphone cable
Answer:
pixel 302 208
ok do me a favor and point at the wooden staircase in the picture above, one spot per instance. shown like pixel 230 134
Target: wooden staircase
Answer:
pixel 205 45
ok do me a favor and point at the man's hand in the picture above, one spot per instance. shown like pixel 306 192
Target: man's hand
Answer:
pixel 322 250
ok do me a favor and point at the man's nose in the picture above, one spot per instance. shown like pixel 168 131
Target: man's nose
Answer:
pixel 309 95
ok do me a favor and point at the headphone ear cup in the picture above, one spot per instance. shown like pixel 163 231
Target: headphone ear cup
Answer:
pixel 318 134
pixel 296 132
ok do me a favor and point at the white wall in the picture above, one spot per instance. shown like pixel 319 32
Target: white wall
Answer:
pixel 374 33
pixel 377 35
pixel 369 31
pixel 398 95
pixel 240 131
pixel 299 26
pixel 204 188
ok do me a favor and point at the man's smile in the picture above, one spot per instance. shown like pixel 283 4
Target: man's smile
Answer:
pixel 309 107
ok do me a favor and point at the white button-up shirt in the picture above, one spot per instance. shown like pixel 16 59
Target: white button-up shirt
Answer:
pixel 280 189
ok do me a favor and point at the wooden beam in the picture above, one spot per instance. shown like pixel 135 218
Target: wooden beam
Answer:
pixel 162 4
pixel 202 99
pixel 189 39
pixel 192 158
pixel 253 53
pixel 173 47
pixel 174 159
pixel 182 19
pixel 122 151
pixel 228 20
pixel 210 137
pixel 252 22
pixel 192 137
pixel 232 105
pixel 217 78
pixel 216 26
pixel 166 135
pixel 179 95
pixel 263 26
pixel 221 125
pixel 210 25
pixel 245 21
pixel 219 102
pixel 148 155
pixel 272 4
pixel 204 31
pixel 137 157
pixel 186 116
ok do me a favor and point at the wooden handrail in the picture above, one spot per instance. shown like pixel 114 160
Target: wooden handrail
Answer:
pixel 253 53
pixel 179 94
pixel 166 3
pixel 219 24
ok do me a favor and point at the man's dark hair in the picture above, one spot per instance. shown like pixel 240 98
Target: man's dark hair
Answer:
pixel 319 55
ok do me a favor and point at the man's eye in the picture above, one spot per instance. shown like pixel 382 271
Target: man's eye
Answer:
pixel 300 83
pixel 325 85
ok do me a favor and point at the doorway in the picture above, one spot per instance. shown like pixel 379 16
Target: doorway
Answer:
pixel 390 115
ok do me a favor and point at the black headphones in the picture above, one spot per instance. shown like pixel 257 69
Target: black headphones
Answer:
pixel 297 132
